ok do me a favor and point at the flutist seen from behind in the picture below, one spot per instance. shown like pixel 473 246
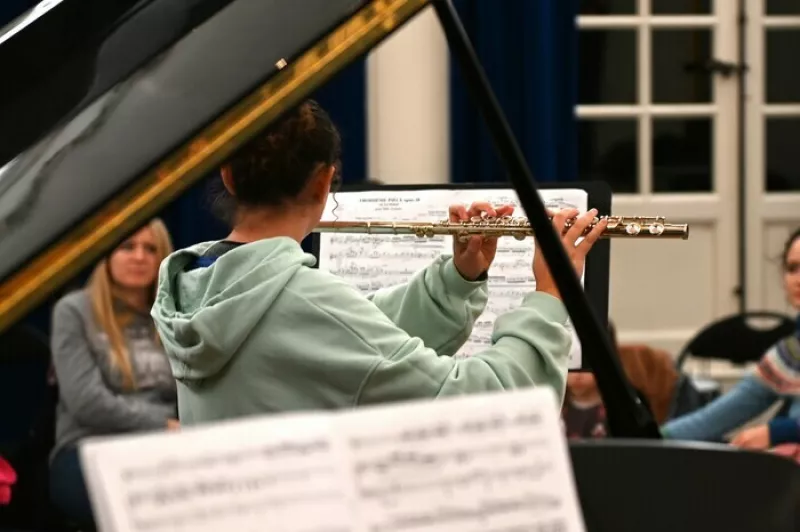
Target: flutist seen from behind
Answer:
pixel 250 327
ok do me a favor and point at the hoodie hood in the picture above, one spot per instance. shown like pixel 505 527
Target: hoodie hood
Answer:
pixel 204 314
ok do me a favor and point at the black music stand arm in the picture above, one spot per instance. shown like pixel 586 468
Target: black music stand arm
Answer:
pixel 627 416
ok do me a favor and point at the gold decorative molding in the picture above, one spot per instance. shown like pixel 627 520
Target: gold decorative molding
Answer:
pixel 95 236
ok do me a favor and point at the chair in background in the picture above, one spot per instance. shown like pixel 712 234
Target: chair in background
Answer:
pixel 739 339
pixel 687 398
pixel 736 339
pixel 651 371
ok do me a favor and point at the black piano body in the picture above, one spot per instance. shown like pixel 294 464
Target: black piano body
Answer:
pixel 154 93
pixel 662 486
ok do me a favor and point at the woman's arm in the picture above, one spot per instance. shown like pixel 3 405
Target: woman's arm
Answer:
pixel 81 384
pixel 749 398
pixel 437 305
pixel 361 349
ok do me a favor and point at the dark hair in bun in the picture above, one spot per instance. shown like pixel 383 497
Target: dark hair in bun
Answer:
pixel 276 165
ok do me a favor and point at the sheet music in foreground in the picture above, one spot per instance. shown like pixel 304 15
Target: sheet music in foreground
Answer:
pixel 372 262
pixel 491 463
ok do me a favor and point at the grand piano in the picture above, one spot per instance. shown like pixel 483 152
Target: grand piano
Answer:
pixel 111 109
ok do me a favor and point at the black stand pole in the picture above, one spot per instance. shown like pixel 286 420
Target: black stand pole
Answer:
pixel 627 416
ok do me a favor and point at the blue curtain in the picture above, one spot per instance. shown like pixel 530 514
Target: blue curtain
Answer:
pixel 528 49
pixel 345 99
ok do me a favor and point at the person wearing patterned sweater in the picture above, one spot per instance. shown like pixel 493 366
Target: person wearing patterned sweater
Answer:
pixel 776 377
pixel 780 368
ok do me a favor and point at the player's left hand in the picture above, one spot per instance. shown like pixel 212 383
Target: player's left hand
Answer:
pixel 473 257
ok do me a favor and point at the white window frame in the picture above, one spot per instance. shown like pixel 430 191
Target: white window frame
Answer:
pixel 762 208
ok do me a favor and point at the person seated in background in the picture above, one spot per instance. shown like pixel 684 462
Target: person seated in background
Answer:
pixel 252 328
pixel 650 371
pixel 112 373
pixel 583 413
pixel 776 377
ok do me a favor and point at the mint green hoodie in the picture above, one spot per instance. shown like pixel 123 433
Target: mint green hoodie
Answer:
pixel 259 330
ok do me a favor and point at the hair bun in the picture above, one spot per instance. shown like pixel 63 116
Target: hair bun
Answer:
pixel 276 165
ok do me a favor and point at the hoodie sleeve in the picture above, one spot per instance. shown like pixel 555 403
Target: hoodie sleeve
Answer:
pixel 530 347
pixel 81 384
pixel 437 305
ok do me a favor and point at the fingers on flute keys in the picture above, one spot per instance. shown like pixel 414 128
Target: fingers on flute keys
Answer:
pixel 458 213
pixel 560 219
pixel 579 226
pixel 505 210
pixel 594 235
pixel 479 209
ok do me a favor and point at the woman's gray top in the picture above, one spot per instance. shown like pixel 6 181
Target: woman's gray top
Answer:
pixel 91 397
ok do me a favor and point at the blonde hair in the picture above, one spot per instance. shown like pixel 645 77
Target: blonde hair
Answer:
pixel 111 321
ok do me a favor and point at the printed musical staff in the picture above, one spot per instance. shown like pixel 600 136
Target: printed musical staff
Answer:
pixel 494 462
pixel 474 469
pixel 230 477
pixel 265 508
pixel 294 449
pixel 467 516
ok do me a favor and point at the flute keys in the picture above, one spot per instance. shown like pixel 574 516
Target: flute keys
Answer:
pixel 633 229
pixel 518 227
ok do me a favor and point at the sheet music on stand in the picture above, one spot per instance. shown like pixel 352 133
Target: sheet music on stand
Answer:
pixel 491 462
pixel 372 262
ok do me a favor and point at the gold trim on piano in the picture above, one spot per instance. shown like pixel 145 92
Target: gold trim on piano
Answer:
pixel 95 236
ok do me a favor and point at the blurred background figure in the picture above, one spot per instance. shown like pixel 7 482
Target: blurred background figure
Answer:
pixel 583 412
pixel 776 377
pixel 112 374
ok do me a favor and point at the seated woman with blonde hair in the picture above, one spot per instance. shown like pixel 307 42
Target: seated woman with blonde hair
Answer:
pixel 112 373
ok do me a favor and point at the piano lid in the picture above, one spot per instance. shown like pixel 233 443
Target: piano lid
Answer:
pixel 152 121
pixel 62 54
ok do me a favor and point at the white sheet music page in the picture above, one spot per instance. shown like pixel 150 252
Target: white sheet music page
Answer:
pixel 489 463
pixel 250 476
pixel 374 261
